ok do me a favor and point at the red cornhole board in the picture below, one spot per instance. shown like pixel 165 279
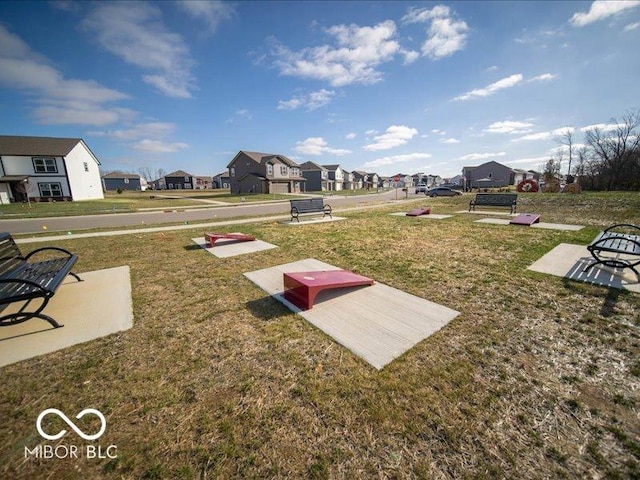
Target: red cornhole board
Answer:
pixel 416 212
pixel 238 237
pixel 525 219
pixel 301 288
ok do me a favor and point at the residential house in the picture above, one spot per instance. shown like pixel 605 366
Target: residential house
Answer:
pixel 433 181
pixel 520 175
pixel 123 181
pixel 348 180
pixel 178 180
pixel 402 180
pixel 360 178
pixel 256 172
pixel 47 169
pixel 201 182
pixel 385 182
pixel 336 174
pixel 221 180
pixel 488 175
pixel 317 177
pixel 372 181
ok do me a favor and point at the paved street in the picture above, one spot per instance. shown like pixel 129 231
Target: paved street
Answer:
pixel 175 214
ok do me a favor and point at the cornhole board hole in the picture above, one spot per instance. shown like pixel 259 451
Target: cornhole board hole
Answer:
pixel 301 288
pixel 416 212
pixel 211 238
pixel 527 219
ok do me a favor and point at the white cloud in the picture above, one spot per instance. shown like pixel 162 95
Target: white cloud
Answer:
pixel 397 159
pixel 350 136
pixel 354 60
pixel 394 136
pixel 445 36
pixel 158 146
pixel 151 129
pixel 60 100
pixel 542 78
pixel 135 33
pixel 438 131
pixel 507 82
pixel 530 161
pixel 482 156
pixel 601 9
pixel 242 114
pixel 509 126
pixel 311 101
pixel 318 146
pixel 544 135
pixel 449 140
pixel 605 127
pixel 631 26
pixel 371 132
pixel 212 12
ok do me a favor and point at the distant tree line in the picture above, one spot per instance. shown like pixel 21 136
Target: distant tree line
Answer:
pixel 610 156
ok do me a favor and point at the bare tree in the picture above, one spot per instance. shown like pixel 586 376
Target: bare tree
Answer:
pixel 617 152
pixel 566 139
pixel 145 172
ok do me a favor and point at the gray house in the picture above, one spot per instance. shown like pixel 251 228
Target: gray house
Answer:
pixel 336 174
pixel 123 181
pixel 348 180
pixel 489 175
pixel 317 177
pixel 360 179
pixel 256 172
pixel 221 180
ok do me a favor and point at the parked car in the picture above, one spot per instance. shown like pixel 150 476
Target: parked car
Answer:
pixel 421 188
pixel 442 192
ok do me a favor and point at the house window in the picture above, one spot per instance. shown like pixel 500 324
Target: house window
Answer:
pixel 50 189
pixel 269 169
pixel 232 172
pixel 283 169
pixel 45 165
pixel 126 180
pixel 86 166
pixel 186 179
pixel 324 174
pixel 295 172
pixel 170 186
pixel 187 186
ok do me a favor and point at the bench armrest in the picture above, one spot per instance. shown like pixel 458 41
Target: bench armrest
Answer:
pixel 20 281
pixel 48 248
pixel 621 225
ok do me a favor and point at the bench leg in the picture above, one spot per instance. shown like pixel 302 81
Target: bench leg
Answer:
pixel 74 275
pixel 21 316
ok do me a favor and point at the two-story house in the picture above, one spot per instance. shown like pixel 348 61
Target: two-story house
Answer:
pixel 373 180
pixel 336 175
pixel 221 180
pixel 487 175
pixel 317 177
pixel 256 172
pixel 46 169
pixel 348 180
pixel 202 182
pixel 360 179
pixel 179 180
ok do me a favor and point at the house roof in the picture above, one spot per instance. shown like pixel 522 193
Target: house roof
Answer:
pixel 121 175
pixel 28 146
pixel 178 173
pixel 331 167
pixel 262 158
pixel 311 166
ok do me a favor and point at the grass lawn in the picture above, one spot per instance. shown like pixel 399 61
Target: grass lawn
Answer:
pixel 538 377
pixel 131 202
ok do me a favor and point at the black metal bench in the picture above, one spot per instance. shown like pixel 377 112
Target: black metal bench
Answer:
pixel 617 243
pixel 307 206
pixel 495 200
pixel 25 280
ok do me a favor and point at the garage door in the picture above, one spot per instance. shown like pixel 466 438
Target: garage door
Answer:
pixel 279 188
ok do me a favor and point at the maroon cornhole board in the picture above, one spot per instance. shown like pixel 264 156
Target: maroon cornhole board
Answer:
pixel 416 212
pixel 301 288
pixel 527 219
pixel 238 237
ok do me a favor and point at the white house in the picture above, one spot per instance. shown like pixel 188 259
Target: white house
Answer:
pixel 46 168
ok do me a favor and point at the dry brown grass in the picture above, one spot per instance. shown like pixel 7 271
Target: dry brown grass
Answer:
pixel 537 378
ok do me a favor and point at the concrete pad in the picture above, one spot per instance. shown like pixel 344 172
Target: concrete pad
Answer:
pixel 489 212
pixel 549 226
pixel 569 261
pixel 432 216
pixel 378 323
pixel 315 220
pixel 96 307
pixel 224 248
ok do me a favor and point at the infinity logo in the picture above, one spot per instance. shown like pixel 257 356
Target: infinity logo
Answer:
pixel 71 424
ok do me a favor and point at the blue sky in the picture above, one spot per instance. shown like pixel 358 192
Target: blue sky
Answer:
pixel 384 87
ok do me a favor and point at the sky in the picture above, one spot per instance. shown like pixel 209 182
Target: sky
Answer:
pixel 384 87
